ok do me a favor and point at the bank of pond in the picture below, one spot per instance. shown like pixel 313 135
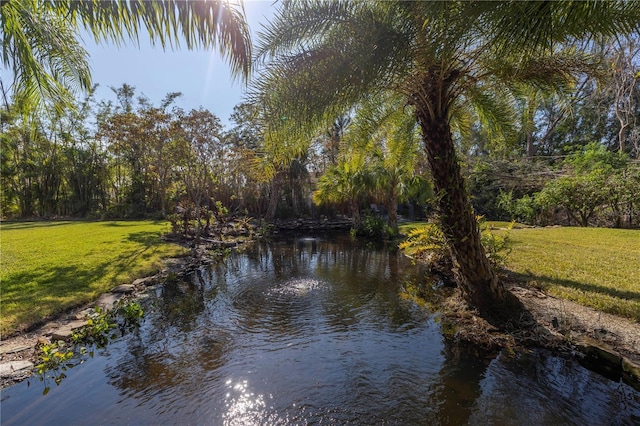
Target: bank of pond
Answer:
pixel 311 331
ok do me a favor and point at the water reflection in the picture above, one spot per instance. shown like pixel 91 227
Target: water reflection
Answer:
pixel 563 394
pixel 459 384
pixel 312 332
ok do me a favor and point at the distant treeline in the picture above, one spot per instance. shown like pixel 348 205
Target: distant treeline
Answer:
pixel 132 159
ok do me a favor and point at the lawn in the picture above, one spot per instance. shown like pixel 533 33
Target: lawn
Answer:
pixel 595 267
pixel 49 267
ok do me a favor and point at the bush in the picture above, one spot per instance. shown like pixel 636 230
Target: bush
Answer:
pixel 428 244
pixel 524 210
pixel 495 245
pixel 580 195
pixel 373 226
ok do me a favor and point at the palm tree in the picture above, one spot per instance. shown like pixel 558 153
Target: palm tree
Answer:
pixel 321 58
pixel 388 136
pixel 334 137
pixel 345 183
pixel 40 43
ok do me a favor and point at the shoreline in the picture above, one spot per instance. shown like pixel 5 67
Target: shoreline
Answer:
pixel 601 342
pixel 19 352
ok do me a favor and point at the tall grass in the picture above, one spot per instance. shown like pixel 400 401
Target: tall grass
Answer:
pixel 49 267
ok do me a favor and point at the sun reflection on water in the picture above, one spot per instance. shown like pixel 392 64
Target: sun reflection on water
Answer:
pixel 242 406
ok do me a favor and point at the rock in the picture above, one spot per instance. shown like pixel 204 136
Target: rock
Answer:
pixel 64 332
pixel 596 349
pixel 12 349
pixel 8 369
pixel 631 373
pixel 107 300
pixel 124 288
pixel 147 281
pixel 600 357
pixel 83 314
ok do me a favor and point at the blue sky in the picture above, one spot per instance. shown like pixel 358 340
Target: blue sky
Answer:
pixel 202 76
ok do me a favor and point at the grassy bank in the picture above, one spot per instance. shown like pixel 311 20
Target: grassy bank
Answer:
pixel 595 267
pixel 48 267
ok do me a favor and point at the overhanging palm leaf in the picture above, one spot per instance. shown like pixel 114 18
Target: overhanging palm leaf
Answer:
pixel 40 42
pixel 42 52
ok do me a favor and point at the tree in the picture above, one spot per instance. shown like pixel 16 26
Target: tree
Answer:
pixel 624 82
pixel 334 137
pixel 325 57
pixel 245 181
pixel 40 42
pixel 199 138
pixel 579 195
pixel 344 183
pixel 388 137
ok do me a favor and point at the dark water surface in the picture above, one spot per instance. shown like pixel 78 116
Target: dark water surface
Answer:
pixel 311 332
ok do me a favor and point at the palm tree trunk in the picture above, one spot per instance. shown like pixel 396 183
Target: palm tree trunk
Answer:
pixel 392 207
pixel 355 212
pixel 478 283
pixel 274 196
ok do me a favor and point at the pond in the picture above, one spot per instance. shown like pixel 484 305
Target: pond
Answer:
pixel 311 331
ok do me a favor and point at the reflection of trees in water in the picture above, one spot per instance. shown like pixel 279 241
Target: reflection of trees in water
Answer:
pixel 169 350
pixel 351 276
pixel 337 305
pixel 458 386
pixel 199 324
pixel 539 388
pixel 181 301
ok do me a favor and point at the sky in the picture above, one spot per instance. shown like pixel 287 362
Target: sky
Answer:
pixel 202 76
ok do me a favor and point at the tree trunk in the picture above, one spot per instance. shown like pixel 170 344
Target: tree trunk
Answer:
pixel 274 196
pixel 476 279
pixel 355 212
pixel 392 208
pixel 531 149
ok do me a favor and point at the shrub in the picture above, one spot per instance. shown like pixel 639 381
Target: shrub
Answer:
pixel 425 243
pixel 524 210
pixel 428 244
pixel 373 226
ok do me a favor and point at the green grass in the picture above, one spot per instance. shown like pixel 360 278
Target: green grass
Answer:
pixel 49 267
pixel 595 267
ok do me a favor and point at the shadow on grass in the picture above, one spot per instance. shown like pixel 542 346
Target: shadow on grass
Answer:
pixel 593 288
pixel 40 294
pixel 15 226
pixel 121 223
pixel 148 238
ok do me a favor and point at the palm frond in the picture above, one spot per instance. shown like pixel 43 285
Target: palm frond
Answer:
pixel 213 23
pixel 495 110
pixel 530 27
pixel 40 37
pixel 330 60
pixel 45 56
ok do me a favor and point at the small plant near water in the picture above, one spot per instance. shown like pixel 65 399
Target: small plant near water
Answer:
pixel 54 358
pixel 101 326
pixel 428 244
pixel 373 226
pixel 425 243
pixel 131 312
pixel 98 331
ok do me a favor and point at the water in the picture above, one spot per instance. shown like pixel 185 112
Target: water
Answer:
pixel 311 332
